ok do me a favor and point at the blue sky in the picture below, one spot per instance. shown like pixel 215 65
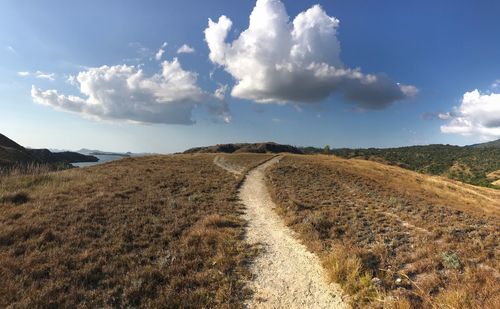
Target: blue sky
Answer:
pixel 444 49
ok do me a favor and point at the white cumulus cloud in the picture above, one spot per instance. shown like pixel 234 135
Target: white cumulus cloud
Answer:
pixel 278 60
pixel 185 49
pixel 477 115
pixel 124 92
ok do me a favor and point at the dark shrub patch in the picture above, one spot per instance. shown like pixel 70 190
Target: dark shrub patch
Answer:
pixel 17 199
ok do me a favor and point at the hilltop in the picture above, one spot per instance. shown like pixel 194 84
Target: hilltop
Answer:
pixel 268 147
pixel 492 144
pixel 12 154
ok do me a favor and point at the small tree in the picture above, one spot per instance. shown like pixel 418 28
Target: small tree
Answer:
pixel 326 150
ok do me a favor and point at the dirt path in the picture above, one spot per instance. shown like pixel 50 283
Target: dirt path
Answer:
pixel 285 273
pixel 235 170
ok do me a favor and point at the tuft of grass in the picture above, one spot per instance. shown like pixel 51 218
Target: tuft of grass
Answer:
pixel 451 260
pixel 347 269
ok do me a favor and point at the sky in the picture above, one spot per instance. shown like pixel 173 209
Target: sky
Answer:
pixel 163 76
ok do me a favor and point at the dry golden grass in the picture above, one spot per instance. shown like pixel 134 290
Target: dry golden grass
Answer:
pixel 434 188
pixel 141 232
pixel 428 241
pixel 494 177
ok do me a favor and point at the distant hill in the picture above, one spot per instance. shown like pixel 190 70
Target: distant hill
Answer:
pixel 468 164
pixel 103 153
pixel 5 142
pixel 106 153
pixel 268 147
pixel 12 153
pixel 492 144
pixel 46 156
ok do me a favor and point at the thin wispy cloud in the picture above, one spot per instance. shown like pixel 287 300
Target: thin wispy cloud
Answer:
pixel 160 51
pixel 10 49
pixel 72 80
pixel 140 49
pixel 278 61
pixel 37 74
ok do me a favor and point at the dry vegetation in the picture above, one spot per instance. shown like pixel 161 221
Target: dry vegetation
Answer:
pixel 139 232
pixel 494 177
pixel 392 237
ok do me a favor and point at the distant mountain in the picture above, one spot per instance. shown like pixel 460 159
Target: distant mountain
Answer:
pixel 11 153
pixel 86 151
pixel 103 153
pixel 268 147
pixel 492 144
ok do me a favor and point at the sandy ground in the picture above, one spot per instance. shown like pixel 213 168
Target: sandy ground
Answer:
pixel 285 273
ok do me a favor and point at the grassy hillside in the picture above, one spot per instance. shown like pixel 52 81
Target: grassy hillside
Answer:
pixel 384 232
pixel 140 232
pixel 468 164
pixel 167 231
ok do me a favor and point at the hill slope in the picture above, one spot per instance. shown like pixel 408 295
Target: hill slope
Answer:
pixel 468 164
pixel 8 143
pixel 167 231
pixel 427 241
pixel 492 144
pixel 11 153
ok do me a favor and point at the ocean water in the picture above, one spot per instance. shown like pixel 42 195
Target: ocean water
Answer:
pixel 102 159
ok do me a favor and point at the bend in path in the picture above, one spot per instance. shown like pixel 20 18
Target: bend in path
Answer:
pixel 285 273
pixel 222 163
